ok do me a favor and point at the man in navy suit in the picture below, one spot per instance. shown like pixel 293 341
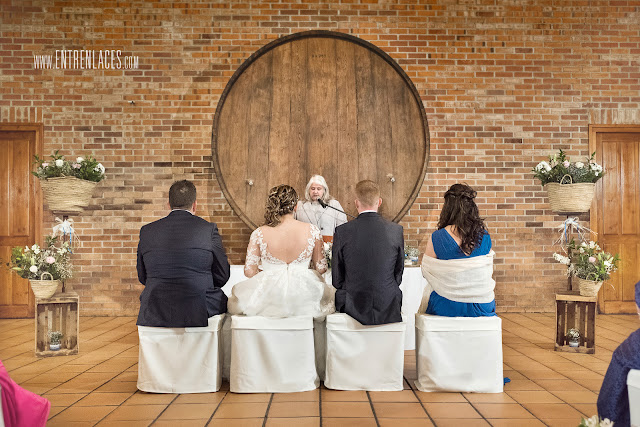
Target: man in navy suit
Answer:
pixel 183 265
pixel 368 261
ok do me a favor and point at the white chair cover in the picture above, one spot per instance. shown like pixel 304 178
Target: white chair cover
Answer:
pixel 459 354
pixel 633 385
pixel 180 360
pixel 272 355
pixel 363 357
pixel 1 413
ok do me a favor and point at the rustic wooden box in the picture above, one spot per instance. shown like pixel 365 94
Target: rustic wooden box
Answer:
pixel 58 313
pixel 575 311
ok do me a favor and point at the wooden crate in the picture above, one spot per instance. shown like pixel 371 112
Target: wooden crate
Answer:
pixel 575 311
pixel 58 313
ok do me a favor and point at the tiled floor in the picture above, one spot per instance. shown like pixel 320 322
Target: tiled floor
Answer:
pixel 98 386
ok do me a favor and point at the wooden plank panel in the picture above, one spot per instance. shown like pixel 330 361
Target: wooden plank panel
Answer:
pixel 612 288
pixel 259 106
pixel 611 185
pixel 6 154
pixel 298 119
pixel 282 168
pixel 321 108
pixel 629 274
pixel 6 278
pixel 365 105
pixel 383 136
pixel 20 190
pixel 347 123
pixel 629 188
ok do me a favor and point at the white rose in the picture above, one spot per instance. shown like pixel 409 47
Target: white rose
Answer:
pixel 579 165
pixel 543 165
pixel 581 250
pixel 99 168
pixel 583 244
pixel 79 159
pixel 593 421
pixel 592 244
pixel 59 163
pixel 33 269
pixel 606 423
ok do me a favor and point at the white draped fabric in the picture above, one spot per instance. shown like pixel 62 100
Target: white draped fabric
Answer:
pixel 463 280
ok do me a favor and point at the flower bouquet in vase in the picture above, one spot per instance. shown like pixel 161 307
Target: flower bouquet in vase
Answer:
pixel 44 267
pixel 68 186
pixel 570 186
pixel 590 264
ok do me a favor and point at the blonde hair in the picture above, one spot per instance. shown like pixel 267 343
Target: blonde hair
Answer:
pixel 281 201
pixel 318 179
pixel 368 193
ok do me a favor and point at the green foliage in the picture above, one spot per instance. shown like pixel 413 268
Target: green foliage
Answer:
pixel 32 262
pixel 559 169
pixel 88 169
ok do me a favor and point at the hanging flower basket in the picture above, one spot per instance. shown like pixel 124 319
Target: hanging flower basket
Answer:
pixel 67 193
pixel 44 288
pixel 588 288
pixel 570 198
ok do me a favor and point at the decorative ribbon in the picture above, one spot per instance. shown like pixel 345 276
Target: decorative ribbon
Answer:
pixel 568 225
pixel 64 228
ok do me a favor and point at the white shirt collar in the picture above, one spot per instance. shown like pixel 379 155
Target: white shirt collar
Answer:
pixel 367 211
pixel 186 210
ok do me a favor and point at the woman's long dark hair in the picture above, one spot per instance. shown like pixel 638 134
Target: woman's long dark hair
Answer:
pixel 462 212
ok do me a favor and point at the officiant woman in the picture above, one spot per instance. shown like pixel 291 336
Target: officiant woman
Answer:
pixel 311 211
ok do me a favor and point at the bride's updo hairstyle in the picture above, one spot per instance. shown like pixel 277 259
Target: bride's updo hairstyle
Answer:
pixel 461 211
pixel 280 202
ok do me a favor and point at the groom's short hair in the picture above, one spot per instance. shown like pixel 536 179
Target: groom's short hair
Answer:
pixel 367 193
pixel 182 195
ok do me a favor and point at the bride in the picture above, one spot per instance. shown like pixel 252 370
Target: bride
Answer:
pixel 290 256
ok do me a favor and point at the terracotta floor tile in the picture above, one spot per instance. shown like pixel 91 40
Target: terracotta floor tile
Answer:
pixel 488 398
pixel 451 410
pixel 393 396
pixel 293 422
pixel 545 411
pixel 212 398
pixel 344 396
pixel 516 385
pixel 399 410
pixel 55 410
pixel 543 374
pixel 531 422
pixel 125 423
pixel 577 396
pixel 587 409
pixel 537 396
pixel 63 399
pixel 405 422
pixel 348 422
pixel 303 396
pixel 103 399
pixel 238 422
pixel 346 409
pixel 294 409
pixel 118 387
pixel 142 398
pixel 241 410
pixel 593 385
pixel 562 422
pixel 461 422
pixel 83 414
pixel 180 423
pixel 559 385
pixel 247 398
pixel 502 410
pixel 583 374
pixel 135 413
pixel 188 411
pixel 440 397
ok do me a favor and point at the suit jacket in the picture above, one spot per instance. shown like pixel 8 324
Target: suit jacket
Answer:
pixel 367 265
pixel 183 265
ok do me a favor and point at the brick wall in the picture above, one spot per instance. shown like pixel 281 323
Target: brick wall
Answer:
pixel 504 84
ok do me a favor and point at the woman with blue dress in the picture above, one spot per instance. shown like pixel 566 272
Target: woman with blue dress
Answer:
pixel 461 235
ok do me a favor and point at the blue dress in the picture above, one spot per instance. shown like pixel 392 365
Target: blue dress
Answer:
pixel 613 399
pixel 446 247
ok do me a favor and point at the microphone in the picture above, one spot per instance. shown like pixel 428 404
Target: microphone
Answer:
pixel 324 205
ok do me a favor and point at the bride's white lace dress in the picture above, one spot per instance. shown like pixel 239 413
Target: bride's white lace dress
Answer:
pixel 283 289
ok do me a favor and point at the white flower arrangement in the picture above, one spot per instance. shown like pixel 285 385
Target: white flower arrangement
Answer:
pixel 596 421
pixel 558 167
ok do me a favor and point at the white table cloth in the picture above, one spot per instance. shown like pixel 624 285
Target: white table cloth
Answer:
pixel 412 288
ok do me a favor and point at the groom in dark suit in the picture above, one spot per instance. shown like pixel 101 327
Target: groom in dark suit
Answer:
pixel 368 261
pixel 183 265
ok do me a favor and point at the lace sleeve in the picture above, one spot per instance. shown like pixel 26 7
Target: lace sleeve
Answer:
pixel 318 257
pixel 253 254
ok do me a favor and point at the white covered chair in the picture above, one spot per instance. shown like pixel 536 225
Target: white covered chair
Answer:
pixel 459 354
pixel 1 413
pixel 633 385
pixel 180 360
pixel 361 357
pixel 272 355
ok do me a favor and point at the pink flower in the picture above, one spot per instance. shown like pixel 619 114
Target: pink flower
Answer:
pixel 50 260
pixel 76 166
pixel 45 164
pixel 566 163
pixel 592 259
